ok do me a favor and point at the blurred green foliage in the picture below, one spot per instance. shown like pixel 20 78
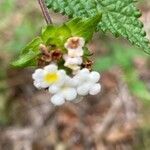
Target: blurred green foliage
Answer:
pixel 123 56
pixel 17 27
pixel 6 6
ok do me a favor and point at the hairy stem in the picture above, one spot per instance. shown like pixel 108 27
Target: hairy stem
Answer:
pixel 45 11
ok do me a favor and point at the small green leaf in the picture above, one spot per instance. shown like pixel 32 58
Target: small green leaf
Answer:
pixel 26 60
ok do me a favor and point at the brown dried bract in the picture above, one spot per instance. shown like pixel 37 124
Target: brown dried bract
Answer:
pixel 42 63
pixel 44 50
pixel 56 55
pixel 47 55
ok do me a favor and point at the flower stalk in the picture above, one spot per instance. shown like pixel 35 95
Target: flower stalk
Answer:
pixel 45 11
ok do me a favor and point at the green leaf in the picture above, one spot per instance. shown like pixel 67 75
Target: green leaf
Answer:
pixel 29 54
pixel 33 45
pixel 56 35
pixel 48 32
pixel 26 60
pixel 118 16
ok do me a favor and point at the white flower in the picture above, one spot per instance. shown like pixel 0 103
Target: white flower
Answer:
pixel 74 46
pixel 48 76
pixel 73 62
pixel 65 92
pixel 87 82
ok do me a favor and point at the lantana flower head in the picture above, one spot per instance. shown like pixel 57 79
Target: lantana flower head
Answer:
pixel 62 85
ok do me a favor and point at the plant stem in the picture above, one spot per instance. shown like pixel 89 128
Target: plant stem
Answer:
pixel 45 11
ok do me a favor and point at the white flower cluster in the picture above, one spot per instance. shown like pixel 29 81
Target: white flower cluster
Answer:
pixel 62 86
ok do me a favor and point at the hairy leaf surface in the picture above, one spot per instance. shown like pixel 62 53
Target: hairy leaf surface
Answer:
pixel 118 16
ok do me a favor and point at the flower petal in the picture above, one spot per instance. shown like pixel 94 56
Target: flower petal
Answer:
pixel 51 68
pixel 44 85
pixel 95 89
pixel 62 72
pixel 38 74
pixel 73 67
pixel 82 42
pixel 73 60
pixel 84 89
pixel 75 52
pixel 83 74
pixel 72 82
pixel 62 78
pixel 69 94
pixel 94 76
pixel 57 99
pixel 53 89
pixel 84 71
pixel 76 81
pixel 37 84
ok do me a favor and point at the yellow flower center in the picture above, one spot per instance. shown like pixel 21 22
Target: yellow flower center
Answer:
pixel 51 78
